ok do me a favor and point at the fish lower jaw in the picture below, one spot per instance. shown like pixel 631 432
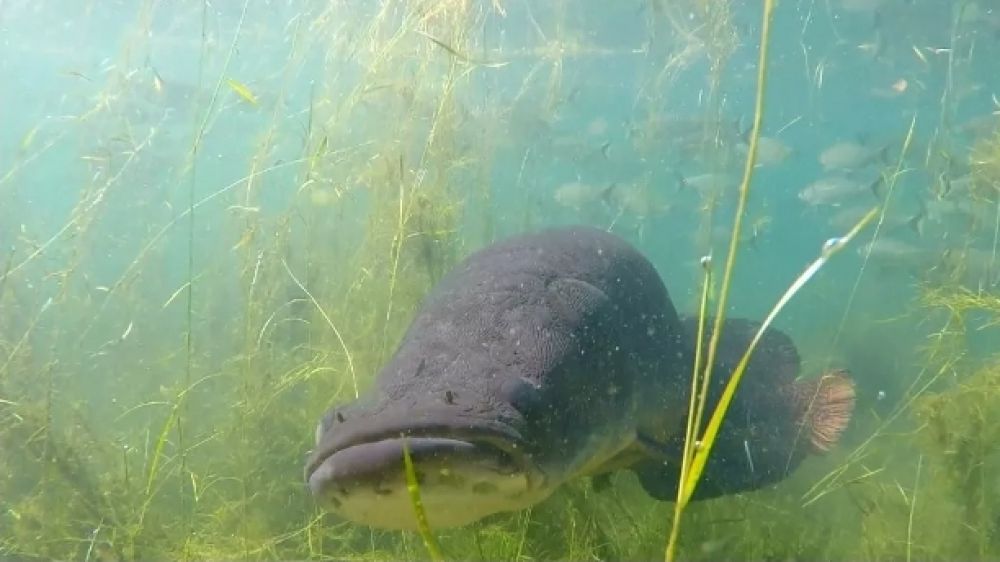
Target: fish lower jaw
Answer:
pixel 459 483
pixel 445 507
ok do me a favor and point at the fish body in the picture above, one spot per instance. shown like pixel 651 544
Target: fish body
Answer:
pixel 975 269
pixel 850 156
pixel 540 359
pixel 893 251
pixel 835 190
pixel 770 151
pixel 576 195
pixel 979 212
pixel 710 184
pixel 893 221
pixel 639 200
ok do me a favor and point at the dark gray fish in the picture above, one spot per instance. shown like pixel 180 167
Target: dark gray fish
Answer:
pixel 548 357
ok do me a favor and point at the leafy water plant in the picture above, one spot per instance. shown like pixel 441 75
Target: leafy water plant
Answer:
pixel 194 266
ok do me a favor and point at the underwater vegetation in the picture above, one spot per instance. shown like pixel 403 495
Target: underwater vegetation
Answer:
pixel 217 220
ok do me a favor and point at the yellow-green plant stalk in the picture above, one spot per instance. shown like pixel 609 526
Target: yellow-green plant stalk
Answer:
pixel 702 448
pixel 413 487
pixel 744 195
pixel 697 402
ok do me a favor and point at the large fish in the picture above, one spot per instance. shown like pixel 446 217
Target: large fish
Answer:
pixel 548 357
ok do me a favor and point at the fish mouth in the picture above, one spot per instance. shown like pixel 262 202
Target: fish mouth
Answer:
pixel 464 474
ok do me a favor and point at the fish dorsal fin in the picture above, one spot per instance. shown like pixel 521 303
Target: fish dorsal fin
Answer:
pixel 576 298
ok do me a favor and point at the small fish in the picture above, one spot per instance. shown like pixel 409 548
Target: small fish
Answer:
pixel 973 268
pixel 77 74
pixel 958 205
pixel 638 200
pixel 460 55
pixel 847 156
pixel 158 85
pixel 837 190
pixel 549 357
pixel 895 89
pixel 576 195
pixel 29 138
pixel 770 151
pixel 849 216
pixel 710 183
pixel 241 90
pixel 758 228
pixel 898 258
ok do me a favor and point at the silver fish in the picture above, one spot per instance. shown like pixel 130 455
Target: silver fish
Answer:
pixel 577 195
pixel 846 156
pixel 836 190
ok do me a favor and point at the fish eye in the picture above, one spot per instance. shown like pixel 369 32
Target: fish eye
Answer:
pixel 522 394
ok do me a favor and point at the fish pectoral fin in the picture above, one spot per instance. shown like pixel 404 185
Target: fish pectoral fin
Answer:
pixel 658 479
pixel 577 298
pixel 654 449
pixel 658 469
pixel 600 482
pixel 639 449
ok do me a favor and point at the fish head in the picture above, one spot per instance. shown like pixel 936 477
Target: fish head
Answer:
pixel 809 195
pixel 468 447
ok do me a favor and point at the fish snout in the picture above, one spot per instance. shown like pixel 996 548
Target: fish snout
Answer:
pixel 466 467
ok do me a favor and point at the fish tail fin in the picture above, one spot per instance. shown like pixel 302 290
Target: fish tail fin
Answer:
pixel 682 183
pixel 878 186
pixel 607 192
pixel 884 155
pixel 825 405
pixel 943 187
pixel 916 222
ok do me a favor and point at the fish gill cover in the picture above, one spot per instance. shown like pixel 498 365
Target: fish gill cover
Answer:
pixel 217 220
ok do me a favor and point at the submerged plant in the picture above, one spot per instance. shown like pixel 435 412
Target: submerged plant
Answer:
pixel 959 431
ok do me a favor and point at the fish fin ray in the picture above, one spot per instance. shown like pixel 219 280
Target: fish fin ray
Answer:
pixel 826 404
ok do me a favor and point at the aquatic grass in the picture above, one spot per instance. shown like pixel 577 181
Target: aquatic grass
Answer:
pixel 696 450
pixel 333 327
pixel 275 363
pixel 691 452
pixel 891 181
pixel 913 509
pixel 958 427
